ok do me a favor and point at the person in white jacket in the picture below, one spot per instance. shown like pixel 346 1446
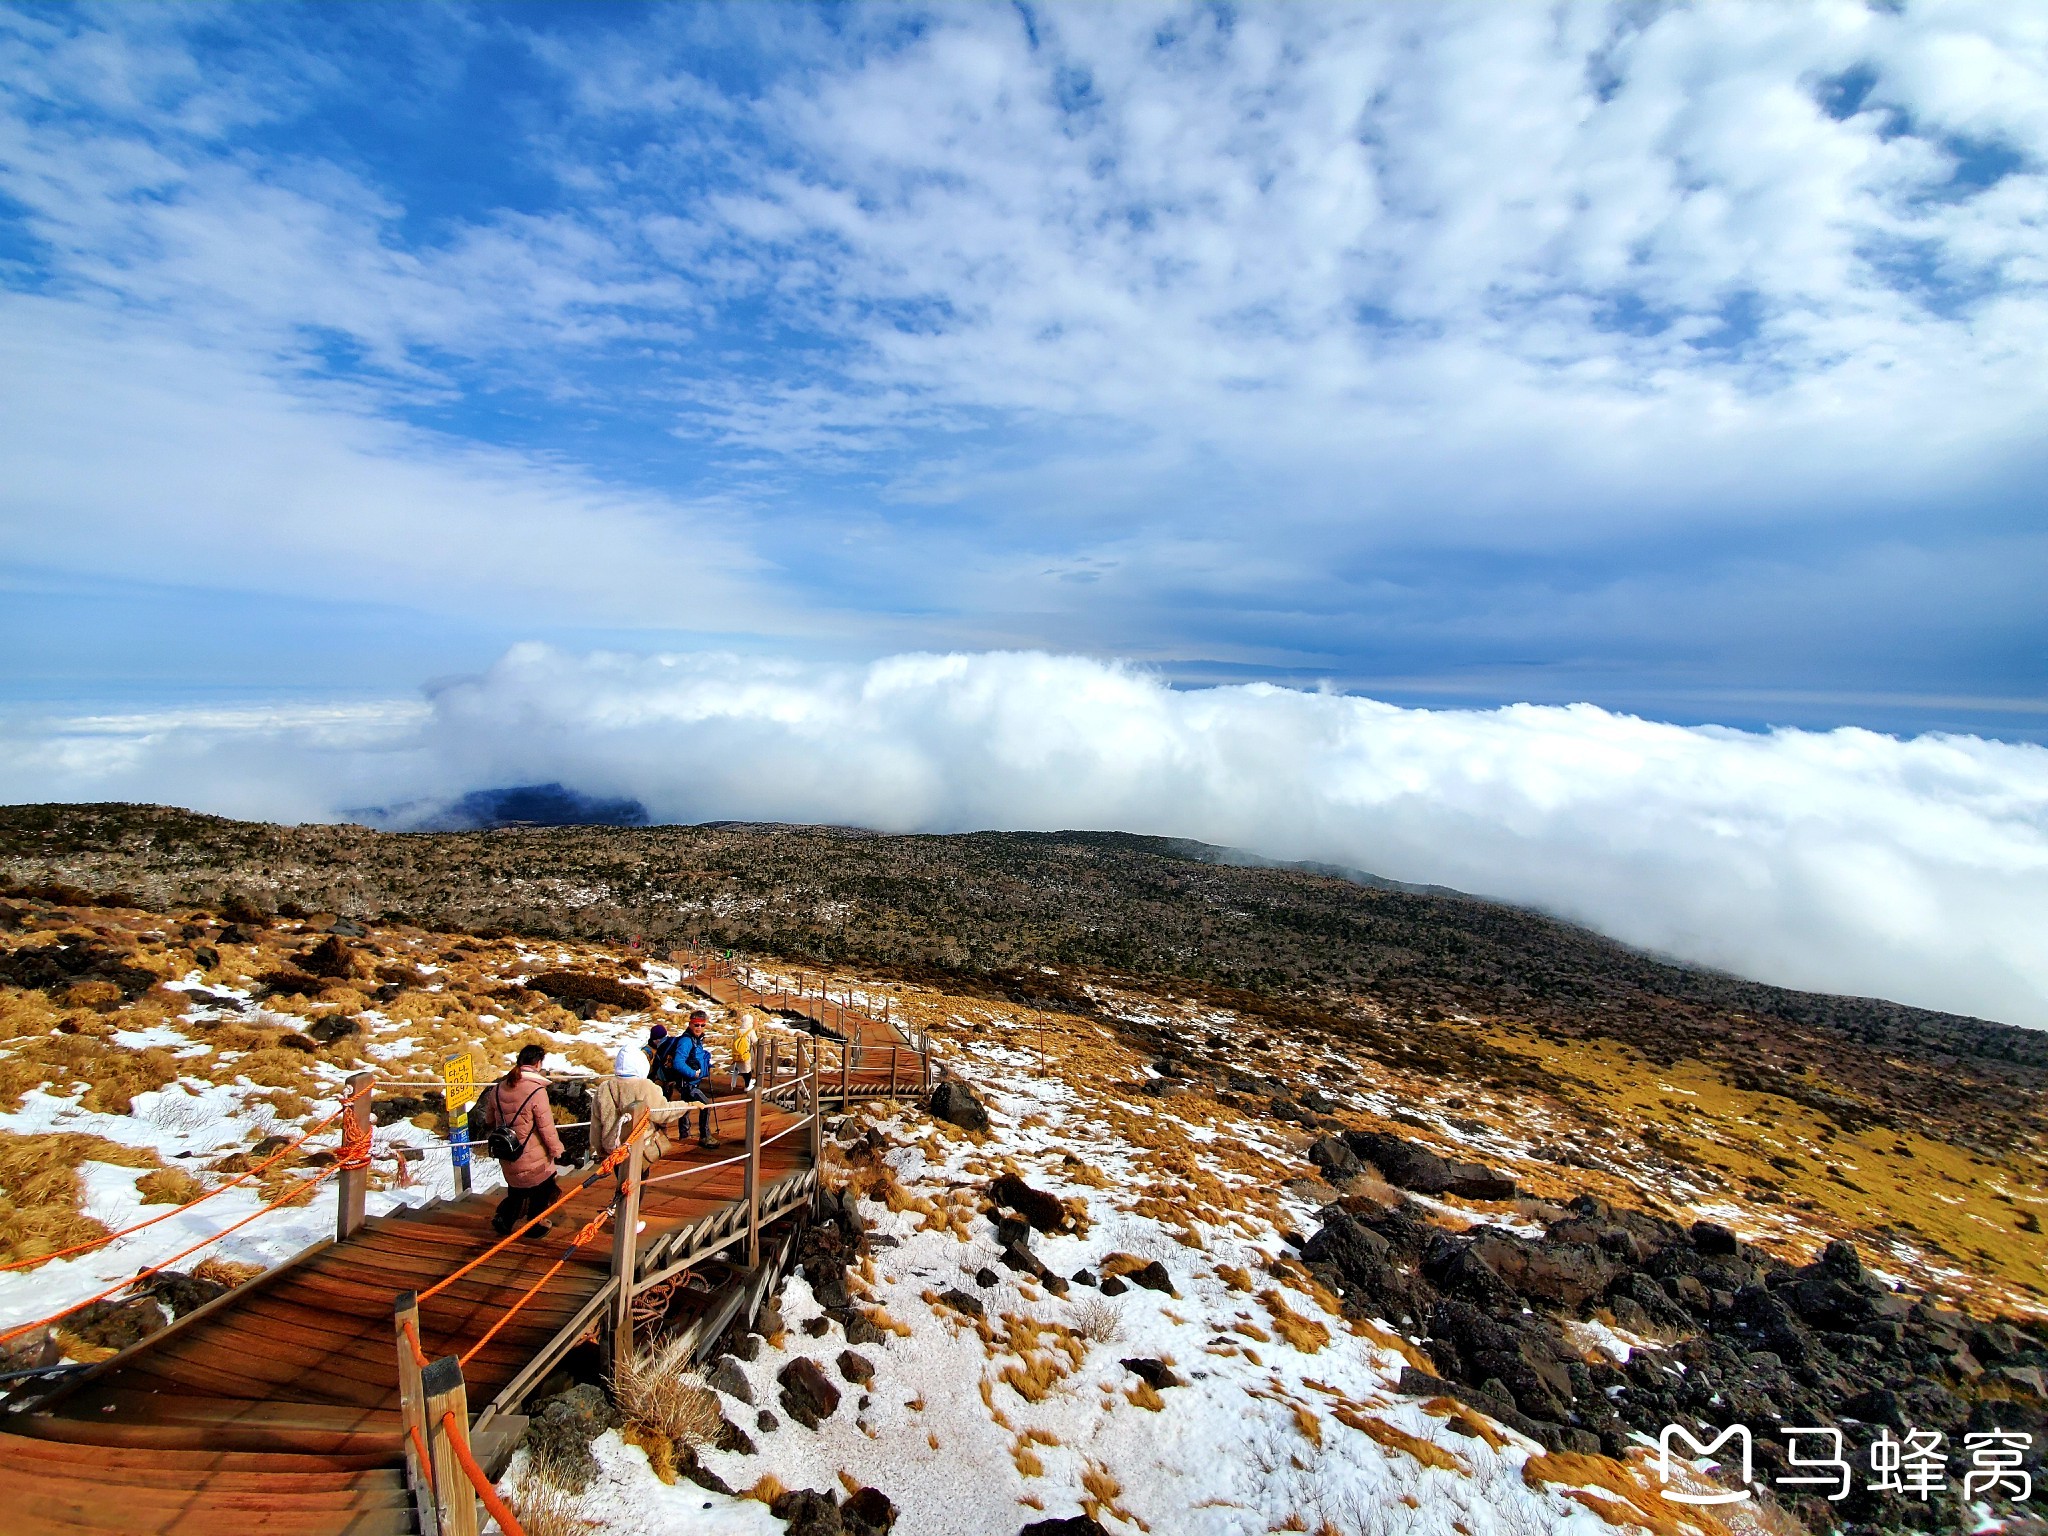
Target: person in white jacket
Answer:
pixel 624 1095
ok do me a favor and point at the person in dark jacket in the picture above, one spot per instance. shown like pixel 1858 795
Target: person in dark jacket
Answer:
pixel 518 1102
pixel 690 1071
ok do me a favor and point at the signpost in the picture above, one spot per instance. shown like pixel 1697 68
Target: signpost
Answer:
pixel 458 1077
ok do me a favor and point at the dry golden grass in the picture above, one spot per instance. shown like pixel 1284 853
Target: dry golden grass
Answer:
pixel 766 1490
pixel 661 1451
pixel 169 1186
pixel 1102 1494
pixel 1233 1277
pixel 1310 1426
pixel 1473 1424
pixel 40 1189
pixel 1396 1439
pixel 1304 1333
pixel 1145 1395
pixel 1633 1501
pixel 226 1272
pixel 545 1510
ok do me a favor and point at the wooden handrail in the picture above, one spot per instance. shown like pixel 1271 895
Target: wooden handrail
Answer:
pixel 625 1246
pixel 412 1410
pixel 447 1410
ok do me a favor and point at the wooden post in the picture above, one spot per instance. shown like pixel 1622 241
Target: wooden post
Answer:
pixel 353 1190
pixel 412 1413
pixel 441 1383
pixel 924 1062
pixel 754 1169
pixel 625 1249
pixel 845 1072
pixel 892 1071
pixel 817 1111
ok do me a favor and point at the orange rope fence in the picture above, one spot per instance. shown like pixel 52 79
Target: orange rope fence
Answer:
pixel 419 1356
pixel 500 1510
pixel 611 1161
pixel 97 1242
pixel 157 1268
pixel 589 1230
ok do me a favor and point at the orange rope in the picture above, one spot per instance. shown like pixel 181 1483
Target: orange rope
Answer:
pixel 500 1510
pixel 420 1446
pixel 612 1160
pixel 15 1333
pixel 356 1134
pixel 44 1258
pixel 419 1356
pixel 589 1230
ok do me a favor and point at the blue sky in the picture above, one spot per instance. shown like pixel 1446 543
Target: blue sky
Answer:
pixel 1684 361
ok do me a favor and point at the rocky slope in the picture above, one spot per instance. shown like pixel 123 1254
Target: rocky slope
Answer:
pixel 1172 1255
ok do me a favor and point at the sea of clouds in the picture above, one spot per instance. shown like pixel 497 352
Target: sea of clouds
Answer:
pixel 1842 861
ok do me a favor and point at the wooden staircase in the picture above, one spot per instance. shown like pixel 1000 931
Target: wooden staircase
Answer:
pixel 276 1408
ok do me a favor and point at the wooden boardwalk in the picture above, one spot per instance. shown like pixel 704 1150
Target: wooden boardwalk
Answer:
pixel 283 1406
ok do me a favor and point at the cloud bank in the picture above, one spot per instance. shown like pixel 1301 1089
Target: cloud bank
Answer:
pixel 1842 861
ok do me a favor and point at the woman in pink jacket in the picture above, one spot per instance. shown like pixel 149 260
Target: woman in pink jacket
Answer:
pixel 518 1102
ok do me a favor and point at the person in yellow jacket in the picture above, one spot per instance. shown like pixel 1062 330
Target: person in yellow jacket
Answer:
pixel 746 1037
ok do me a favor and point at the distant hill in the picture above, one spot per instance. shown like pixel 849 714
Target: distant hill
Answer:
pixel 1004 904
pixel 521 805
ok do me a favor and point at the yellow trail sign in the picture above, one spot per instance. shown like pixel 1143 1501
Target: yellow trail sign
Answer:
pixel 459 1074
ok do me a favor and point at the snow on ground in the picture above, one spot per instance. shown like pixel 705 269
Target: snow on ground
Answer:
pixel 977 1426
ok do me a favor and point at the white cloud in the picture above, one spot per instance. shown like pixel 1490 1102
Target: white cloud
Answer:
pixel 1843 861
pixel 133 451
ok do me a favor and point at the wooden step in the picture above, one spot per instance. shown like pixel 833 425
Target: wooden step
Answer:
pixel 119 1416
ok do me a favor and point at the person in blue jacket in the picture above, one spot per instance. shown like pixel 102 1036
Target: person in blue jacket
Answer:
pixel 689 1073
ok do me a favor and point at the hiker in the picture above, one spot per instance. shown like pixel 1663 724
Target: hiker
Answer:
pixel 743 1044
pixel 659 1048
pixel 521 1135
pixel 624 1094
pixel 690 1062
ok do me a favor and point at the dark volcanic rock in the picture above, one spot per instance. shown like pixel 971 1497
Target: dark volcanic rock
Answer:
pixel 857 1369
pixel 1335 1158
pixel 808 1513
pixel 953 1101
pixel 1153 1277
pixel 1156 1374
pixel 1417 1168
pixel 561 1430
pixel 1042 1210
pixel 1072 1525
pixel 1712 1238
pixel 961 1301
pixel 867 1512
pixel 808 1395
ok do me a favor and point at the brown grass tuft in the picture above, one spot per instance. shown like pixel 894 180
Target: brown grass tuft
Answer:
pixel 767 1489
pixel 1310 1426
pixel 1233 1277
pixel 1304 1333
pixel 169 1186
pixel 661 1451
pixel 660 1393
pixel 1396 1439
pixel 40 1189
pixel 545 1510
pixel 226 1272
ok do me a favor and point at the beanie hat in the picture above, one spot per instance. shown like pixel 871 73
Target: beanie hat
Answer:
pixel 658 1032
pixel 630 1062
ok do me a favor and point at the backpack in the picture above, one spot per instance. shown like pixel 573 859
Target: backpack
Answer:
pixel 500 1142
